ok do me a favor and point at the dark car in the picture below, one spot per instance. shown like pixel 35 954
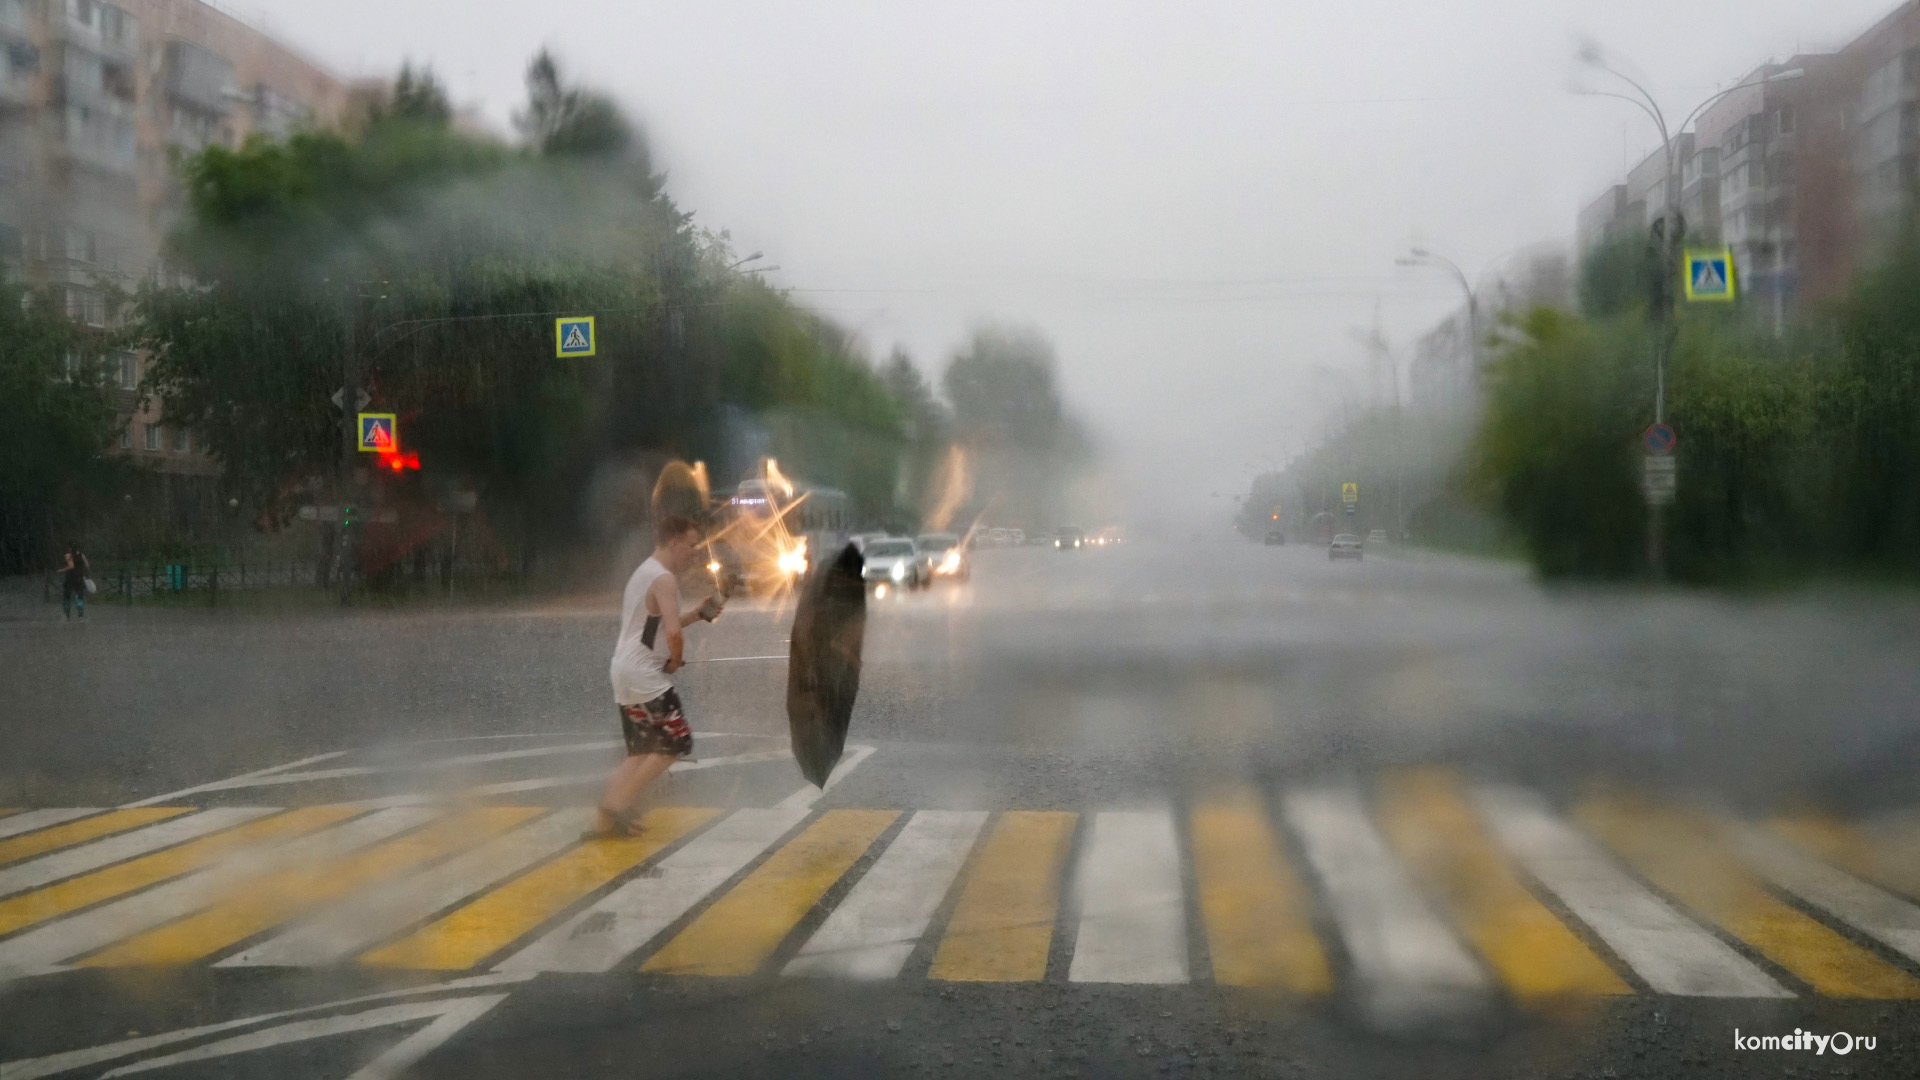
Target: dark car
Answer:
pixel 1069 538
pixel 1275 538
pixel 1344 546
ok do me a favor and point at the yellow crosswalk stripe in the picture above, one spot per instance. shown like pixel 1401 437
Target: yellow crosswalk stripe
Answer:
pixel 1681 853
pixel 122 878
pixel 269 901
pixel 1892 860
pixel 1430 825
pixel 1003 925
pixel 41 841
pixel 470 934
pixel 1255 910
pixel 737 934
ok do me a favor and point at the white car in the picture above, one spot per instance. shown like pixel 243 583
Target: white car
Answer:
pixel 893 563
pixel 945 554
pixel 1344 546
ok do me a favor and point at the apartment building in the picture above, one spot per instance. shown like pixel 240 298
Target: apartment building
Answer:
pixel 96 101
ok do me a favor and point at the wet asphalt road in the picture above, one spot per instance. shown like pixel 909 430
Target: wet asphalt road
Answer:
pixel 1093 681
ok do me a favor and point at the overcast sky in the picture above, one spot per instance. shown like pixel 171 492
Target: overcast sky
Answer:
pixel 1197 201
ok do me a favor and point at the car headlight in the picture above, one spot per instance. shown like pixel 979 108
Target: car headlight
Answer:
pixel 899 571
pixel 950 564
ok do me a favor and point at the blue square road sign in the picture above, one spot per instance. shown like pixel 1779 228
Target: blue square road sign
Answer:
pixel 573 336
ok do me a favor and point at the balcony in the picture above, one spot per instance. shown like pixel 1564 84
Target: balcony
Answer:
pixel 16 26
pixel 198 79
pixel 99 28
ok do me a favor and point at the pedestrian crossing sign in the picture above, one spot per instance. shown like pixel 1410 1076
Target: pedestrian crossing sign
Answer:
pixel 573 336
pixel 1710 274
pixel 1349 493
pixel 379 433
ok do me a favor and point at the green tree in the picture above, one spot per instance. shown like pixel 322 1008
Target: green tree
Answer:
pixel 56 420
pixel 1008 413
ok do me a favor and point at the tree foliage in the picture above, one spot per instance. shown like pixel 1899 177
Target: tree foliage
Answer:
pixel 1007 411
pixel 56 420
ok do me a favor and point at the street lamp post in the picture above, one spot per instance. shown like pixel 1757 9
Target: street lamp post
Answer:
pixel 1423 257
pixel 1668 232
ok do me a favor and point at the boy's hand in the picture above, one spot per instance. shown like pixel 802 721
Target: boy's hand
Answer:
pixel 711 607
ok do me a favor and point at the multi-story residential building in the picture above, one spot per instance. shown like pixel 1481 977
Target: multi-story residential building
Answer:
pixel 1603 219
pixel 96 101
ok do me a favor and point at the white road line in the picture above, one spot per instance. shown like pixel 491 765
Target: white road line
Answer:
pixel 1133 926
pixel 397 1060
pixel 1409 968
pixel 218 785
pixel 541 783
pixel 367 917
pixel 627 918
pixel 1867 908
pixel 113 849
pixel 1671 952
pixel 462 1011
pixel 808 794
pixel 72 1060
pixel 435 765
pixel 873 931
pixel 28 821
pixel 40 950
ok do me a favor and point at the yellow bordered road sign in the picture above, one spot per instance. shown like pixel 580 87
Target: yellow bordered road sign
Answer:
pixel 573 336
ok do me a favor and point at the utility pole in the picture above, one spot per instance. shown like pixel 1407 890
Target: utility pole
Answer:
pixel 1666 234
pixel 343 555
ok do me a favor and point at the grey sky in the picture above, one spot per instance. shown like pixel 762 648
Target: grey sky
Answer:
pixel 1196 200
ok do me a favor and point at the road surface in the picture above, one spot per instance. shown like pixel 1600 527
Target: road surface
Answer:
pixel 1180 810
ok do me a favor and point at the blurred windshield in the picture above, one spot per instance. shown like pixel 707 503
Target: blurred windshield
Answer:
pixel 431 435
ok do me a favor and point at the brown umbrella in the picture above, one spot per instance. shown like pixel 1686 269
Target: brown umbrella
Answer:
pixel 823 669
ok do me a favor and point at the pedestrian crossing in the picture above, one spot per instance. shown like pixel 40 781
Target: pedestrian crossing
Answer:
pixel 1415 890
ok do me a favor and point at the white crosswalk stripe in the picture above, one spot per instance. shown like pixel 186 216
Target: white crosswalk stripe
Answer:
pixel 1671 952
pixel 351 927
pixel 28 821
pixel 873 931
pixel 78 860
pixel 1407 962
pixel 1873 911
pixel 42 949
pixel 626 919
pixel 1132 916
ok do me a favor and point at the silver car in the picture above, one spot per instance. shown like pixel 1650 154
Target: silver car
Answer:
pixel 1344 546
pixel 893 563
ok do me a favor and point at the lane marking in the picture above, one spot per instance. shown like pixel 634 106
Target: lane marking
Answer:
pixel 109 882
pixel 434 765
pixel 1408 965
pixel 1133 926
pixel 1002 927
pixel 75 861
pixel 1867 908
pixel 29 820
pixel 1670 952
pixel 742 928
pixel 173 796
pixel 809 795
pixel 1890 855
pixel 1428 822
pixel 1254 907
pixel 450 1017
pixel 72 1060
pixel 55 837
pixel 470 934
pixel 874 930
pixel 362 921
pixel 40 949
pixel 1680 854
pixel 273 899
pixel 514 787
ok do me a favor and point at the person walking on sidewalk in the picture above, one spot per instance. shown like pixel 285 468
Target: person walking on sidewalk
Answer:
pixel 73 581
pixel 647 653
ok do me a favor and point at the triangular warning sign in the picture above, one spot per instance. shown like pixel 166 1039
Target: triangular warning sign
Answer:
pixel 576 338
pixel 1707 279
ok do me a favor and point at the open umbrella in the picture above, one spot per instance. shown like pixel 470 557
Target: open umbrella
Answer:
pixel 823 669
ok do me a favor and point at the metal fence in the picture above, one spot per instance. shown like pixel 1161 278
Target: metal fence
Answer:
pixel 131 581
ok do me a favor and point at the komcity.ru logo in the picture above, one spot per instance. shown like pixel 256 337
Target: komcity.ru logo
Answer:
pixel 1839 1042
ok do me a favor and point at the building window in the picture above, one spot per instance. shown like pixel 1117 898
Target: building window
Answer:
pixel 126 437
pixel 1783 120
pixel 129 372
pixel 182 440
pixel 153 437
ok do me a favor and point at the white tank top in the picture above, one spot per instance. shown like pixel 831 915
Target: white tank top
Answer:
pixel 640 655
